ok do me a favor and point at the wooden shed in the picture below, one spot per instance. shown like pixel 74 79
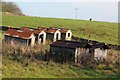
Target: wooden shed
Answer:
pixel 40 34
pixel 66 34
pixel 70 51
pixel 27 38
pixel 100 51
pixel 53 34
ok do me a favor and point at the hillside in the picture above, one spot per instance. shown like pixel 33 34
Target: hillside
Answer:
pixel 16 65
pixel 100 31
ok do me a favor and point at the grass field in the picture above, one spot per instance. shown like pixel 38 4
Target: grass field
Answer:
pixel 1 35
pixel 40 69
pixel 100 31
pixel 17 64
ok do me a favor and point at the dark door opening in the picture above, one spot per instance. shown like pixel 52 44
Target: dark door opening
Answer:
pixel 63 36
pixel 41 38
pixel 36 38
pixel 57 36
pixel 29 41
pixel 68 34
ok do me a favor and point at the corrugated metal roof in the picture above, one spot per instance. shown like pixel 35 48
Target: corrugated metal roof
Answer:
pixel 70 44
pixel 50 30
pixel 18 33
pixel 63 30
pixel 25 35
pixel 37 31
pixel 25 28
pixel 10 32
pixel 47 30
pixel 100 45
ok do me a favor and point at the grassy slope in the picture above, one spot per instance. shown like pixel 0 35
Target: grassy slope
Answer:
pixel 100 31
pixel 1 35
pixel 39 69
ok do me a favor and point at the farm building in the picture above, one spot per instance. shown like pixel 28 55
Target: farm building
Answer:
pixel 70 51
pixel 53 34
pixel 66 34
pixel 40 34
pixel 13 35
pixel 100 51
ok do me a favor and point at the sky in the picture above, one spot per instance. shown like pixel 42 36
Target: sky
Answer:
pixel 98 10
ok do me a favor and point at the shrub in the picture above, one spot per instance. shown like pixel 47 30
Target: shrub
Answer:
pixel 11 7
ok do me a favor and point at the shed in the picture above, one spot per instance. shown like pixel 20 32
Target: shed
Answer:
pixel 27 38
pixel 70 51
pixel 66 34
pixel 100 51
pixel 53 34
pixel 40 34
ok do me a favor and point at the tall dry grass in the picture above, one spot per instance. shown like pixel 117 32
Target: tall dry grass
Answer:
pixel 21 52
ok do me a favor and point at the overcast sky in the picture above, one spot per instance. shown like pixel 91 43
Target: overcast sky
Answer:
pixel 99 10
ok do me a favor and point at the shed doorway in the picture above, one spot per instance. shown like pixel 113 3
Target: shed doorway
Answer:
pixel 41 38
pixel 29 42
pixel 57 36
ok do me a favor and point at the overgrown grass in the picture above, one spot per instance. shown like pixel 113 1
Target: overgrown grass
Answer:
pixel 21 61
pixel 27 68
pixel 100 31
pixel 41 69
pixel 1 35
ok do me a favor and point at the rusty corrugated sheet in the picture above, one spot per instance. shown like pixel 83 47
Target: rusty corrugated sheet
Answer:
pixel 63 30
pixel 10 32
pixel 19 33
pixel 51 30
pixel 25 35
pixel 35 31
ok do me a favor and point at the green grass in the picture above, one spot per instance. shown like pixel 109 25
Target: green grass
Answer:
pixel 100 31
pixel 40 69
pixel 1 35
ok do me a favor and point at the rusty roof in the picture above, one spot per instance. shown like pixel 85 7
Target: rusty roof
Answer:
pixel 10 32
pixel 19 33
pixel 70 44
pixel 37 31
pixel 25 28
pixel 51 30
pixel 25 35
pixel 47 30
pixel 64 30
